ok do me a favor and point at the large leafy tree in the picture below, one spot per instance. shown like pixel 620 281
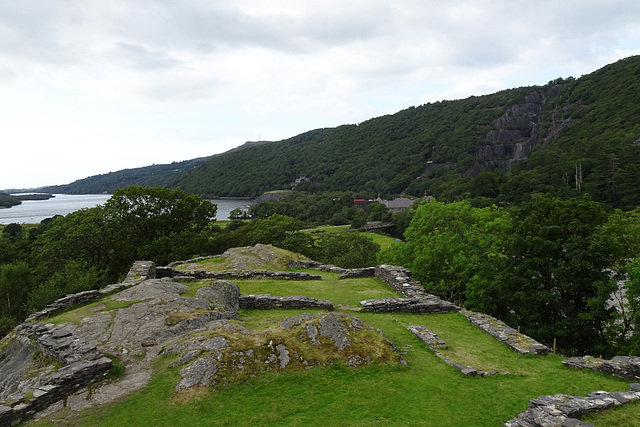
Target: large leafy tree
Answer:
pixel 16 280
pixel 556 278
pixel 133 224
pixel 452 248
pixel 347 249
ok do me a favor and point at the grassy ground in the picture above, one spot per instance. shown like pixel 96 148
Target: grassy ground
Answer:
pixel 624 415
pixel 425 392
pixel 380 239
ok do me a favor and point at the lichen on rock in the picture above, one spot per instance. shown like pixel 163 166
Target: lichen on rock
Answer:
pixel 298 342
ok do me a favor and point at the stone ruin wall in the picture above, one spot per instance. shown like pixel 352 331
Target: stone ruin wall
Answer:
pixel 82 364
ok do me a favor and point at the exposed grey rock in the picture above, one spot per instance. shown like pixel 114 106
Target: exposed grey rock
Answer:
pixel 332 326
pixel 210 359
pixel 199 374
pixel 293 321
pixel 161 290
pixel 25 394
pixel 224 297
pixel 14 362
pixel 283 355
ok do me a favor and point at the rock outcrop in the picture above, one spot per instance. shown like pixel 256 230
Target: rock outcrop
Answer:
pixel 224 353
pixel 513 135
pixel 41 365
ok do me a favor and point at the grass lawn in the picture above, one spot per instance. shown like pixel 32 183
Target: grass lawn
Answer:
pixel 425 392
pixel 382 240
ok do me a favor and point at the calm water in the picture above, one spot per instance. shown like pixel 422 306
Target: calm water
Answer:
pixel 34 211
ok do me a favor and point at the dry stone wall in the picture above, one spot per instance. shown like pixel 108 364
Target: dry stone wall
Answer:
pixel 565 410
pixel 416 300
pixel 162 272
pixel 436 344
pixel 345 273
pixel 502 332
pixel 627 367
pixel 422 305
pixel 399 278
pixel 267 301
pixel 75 365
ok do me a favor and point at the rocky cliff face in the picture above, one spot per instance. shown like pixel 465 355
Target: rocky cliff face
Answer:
pixel 512 136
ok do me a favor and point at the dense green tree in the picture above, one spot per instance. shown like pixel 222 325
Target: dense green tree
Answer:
pixel 75 277
pixel 16 281
pixel 85 236
pixel 133 224
pixel 450 247
pixel 347 249
pixel 272 230
pixel 556 278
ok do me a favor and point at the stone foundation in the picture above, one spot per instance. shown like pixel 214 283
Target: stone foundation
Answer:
pixel 81 364
pixel 436 344
pixel 502 332
pixel 424 305
pixel 267 301
pixel 565 410
pixel 181 275
pixel 627 367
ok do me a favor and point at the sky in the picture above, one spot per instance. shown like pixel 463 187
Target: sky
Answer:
pixel 89 87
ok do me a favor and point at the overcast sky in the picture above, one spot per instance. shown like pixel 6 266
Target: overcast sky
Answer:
pixel 89 87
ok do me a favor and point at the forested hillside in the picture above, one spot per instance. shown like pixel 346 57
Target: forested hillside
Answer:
pixel 147 176
pixel 571 135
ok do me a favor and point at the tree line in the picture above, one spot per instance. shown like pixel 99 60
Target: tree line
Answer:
pixel 556 268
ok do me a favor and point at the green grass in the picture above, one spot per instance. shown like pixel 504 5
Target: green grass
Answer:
pixel 347 292
pixel 425 392
pixel 383 241
pixel 623 415
pixel 102 305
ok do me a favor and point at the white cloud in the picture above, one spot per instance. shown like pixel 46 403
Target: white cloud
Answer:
pixel 148 81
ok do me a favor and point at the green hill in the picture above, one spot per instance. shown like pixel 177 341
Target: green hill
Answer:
pixel 147 176
pixel 569 135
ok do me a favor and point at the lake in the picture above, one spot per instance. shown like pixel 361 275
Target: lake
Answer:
pixel 34 211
